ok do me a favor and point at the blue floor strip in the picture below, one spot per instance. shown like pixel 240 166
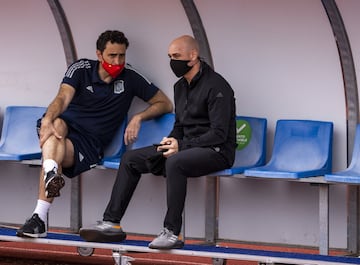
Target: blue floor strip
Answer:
pixel 210 249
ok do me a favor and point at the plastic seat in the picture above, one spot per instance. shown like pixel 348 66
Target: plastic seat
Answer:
pixel 302 148
pixel 151 131
pixel 251 150
pixel 19 139
pixel 117 146
pixel 352 173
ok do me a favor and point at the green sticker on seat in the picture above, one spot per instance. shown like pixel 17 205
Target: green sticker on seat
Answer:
pixel 243 134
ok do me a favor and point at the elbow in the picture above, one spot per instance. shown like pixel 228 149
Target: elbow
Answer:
pixel 162 101
pixel 169 107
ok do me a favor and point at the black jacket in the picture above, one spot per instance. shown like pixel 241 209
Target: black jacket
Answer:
pixel 205 113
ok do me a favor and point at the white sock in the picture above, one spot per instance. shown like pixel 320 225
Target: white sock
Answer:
pixel 42 209
pixel 49 165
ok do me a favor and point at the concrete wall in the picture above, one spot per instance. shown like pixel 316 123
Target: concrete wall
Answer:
pixel 280 57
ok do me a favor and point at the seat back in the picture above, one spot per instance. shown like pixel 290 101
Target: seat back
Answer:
pixel 152 131
pixel 251 145
pixel 117 146
pixel 19 139
pixel 355 159
pixel 302 145
pixel 350 175
pixel 251 140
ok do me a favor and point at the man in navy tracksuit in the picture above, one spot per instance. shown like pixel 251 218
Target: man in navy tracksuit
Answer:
pixel 203 140
pixel 92 102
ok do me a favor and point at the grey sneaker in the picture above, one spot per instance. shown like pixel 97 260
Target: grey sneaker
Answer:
pixel 166 240
pixel 33 227
pixel 53 184
pixel 104 231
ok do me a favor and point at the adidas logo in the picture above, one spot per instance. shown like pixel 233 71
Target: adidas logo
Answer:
pixel 81 157
pixel 90 88
pixel 219 95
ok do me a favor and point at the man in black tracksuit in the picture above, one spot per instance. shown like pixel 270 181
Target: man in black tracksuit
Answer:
pixel 203 140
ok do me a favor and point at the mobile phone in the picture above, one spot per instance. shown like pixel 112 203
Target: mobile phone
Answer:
pixel 163 150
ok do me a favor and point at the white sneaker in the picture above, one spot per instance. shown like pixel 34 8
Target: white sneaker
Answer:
pixel 166 240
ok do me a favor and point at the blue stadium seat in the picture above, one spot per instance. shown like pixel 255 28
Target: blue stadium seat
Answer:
pixel 302 148
pixel 151 131
pixel 352 173
pixel 19 140
pixel 111 163
pixel 251 150
pixel 117 146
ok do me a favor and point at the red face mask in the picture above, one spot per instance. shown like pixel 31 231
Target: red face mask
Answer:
pixel 113 70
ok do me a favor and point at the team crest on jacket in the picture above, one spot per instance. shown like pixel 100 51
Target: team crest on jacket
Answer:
pixel 119 86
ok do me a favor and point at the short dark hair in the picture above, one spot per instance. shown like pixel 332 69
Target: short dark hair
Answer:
pixel 114 36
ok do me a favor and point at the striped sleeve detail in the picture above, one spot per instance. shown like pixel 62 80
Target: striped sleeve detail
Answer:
pixel 75 66
pixel 128 66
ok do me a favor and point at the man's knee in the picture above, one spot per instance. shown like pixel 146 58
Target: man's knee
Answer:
pixel 129 156
pixel 61 127
pixel 136 159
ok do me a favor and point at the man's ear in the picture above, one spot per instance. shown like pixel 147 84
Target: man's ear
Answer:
pixel 99 55
pixel 194 57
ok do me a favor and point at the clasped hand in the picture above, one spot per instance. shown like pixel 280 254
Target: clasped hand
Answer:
pixel 169 146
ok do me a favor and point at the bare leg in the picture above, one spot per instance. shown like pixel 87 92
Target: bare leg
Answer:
pixel 55 151
pixel 59 150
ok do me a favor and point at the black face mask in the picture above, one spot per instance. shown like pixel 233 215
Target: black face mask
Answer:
pixel 180 67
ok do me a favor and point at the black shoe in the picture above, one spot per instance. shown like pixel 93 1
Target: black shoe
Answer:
pixel 33 227
pixel 53 184
pixel 104 231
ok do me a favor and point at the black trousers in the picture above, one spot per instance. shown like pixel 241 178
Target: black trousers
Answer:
pixel 194 162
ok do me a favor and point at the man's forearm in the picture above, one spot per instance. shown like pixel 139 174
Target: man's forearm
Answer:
pixel 155 110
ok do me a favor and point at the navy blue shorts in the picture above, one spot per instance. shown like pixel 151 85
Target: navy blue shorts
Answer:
pixel 87 151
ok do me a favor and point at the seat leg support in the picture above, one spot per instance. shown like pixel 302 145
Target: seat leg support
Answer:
pixel 324 219
pixel 121 259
